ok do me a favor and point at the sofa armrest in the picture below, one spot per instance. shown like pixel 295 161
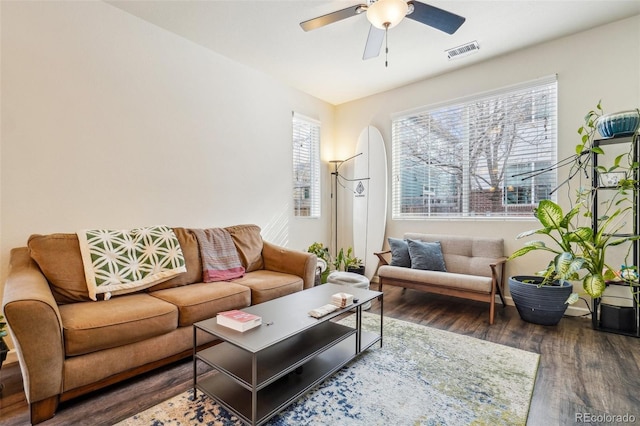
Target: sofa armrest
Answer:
pixel 497 269
pixel 497 275
pixel 300 263
pixel 382 256
pixel 498 262
pixel 35 326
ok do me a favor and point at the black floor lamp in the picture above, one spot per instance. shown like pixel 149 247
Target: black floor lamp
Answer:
pixel 339 180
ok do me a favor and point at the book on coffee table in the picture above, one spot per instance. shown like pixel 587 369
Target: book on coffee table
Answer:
pixel 238 320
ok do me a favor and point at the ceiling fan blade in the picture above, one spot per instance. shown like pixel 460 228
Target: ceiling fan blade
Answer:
pixel 332 17
pixel 435 17
pixel 374 43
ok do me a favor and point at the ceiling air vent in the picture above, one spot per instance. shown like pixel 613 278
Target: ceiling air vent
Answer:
pixel 464 50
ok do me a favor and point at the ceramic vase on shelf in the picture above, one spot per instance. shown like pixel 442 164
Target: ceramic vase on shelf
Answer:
pixel 623 123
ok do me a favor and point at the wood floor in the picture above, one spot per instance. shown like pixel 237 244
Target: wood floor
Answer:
pixel 582 372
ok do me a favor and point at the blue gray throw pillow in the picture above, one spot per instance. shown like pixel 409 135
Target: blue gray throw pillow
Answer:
pixel 399 252
pixel 426 255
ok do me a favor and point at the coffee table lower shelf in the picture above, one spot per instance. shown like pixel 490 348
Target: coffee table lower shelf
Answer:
pixel 274 393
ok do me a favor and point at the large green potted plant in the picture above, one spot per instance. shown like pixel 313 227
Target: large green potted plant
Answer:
pixel 579 253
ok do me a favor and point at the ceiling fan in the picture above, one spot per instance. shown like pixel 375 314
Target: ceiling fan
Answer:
pixel 385 14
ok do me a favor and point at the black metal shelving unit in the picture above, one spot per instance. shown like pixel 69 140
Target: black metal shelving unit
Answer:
pixel 622 319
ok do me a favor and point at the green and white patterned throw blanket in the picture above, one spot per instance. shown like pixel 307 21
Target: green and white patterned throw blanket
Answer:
pixel 124 261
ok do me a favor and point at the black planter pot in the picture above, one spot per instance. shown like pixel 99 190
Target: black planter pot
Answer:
pixel 358 270
pixel 543 305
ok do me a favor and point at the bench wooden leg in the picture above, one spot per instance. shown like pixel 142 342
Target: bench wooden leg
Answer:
pixel 43 410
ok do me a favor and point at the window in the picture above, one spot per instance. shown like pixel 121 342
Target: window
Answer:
pixel 517 190
pixel 489 155
pixel 306 166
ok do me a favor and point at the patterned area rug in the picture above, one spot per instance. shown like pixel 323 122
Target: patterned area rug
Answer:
pixel 421 376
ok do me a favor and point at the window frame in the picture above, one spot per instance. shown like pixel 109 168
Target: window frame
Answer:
pixel 306 161
pixel 409 151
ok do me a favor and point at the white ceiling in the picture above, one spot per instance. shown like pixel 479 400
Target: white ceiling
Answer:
pixel 327 62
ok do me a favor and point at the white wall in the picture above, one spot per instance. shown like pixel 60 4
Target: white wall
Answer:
pixel 109 121
pixel 602 63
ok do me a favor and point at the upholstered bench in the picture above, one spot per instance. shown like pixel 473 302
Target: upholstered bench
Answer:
pixel 466 267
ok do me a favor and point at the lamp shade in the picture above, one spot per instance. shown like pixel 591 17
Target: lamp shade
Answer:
pixel 387 13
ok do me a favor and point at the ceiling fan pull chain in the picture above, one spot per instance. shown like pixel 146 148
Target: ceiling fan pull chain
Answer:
pixel 386 45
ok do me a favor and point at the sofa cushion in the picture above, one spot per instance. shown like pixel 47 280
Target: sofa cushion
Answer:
pixel 94 326
pixel 219 255
pixel 266 285
pixel 464 282
pixel 474 258
pixel 248 241
pixel 121 261
pixel 399 252
pixel 426 255
pixel 200 301
pixel 466 255
pixel 58 257
pixel 191 254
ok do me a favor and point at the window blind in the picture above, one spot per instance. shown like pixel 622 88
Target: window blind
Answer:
pixel 477 156
pixel 306 166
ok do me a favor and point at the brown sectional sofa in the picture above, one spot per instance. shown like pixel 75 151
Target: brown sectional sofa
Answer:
pixel 475 268
pixel 69 345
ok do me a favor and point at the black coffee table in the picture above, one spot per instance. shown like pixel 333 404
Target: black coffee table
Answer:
pixel 263 370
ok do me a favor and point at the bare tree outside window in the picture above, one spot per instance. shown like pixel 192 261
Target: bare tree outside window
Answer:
pixel 476 158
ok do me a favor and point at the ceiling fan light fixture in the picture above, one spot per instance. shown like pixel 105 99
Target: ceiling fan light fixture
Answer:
pixel 385 14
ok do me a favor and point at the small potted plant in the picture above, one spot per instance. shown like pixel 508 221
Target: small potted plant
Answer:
pixel 579 253
pixel 324 259
pixel 346 261
pixel 353 264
